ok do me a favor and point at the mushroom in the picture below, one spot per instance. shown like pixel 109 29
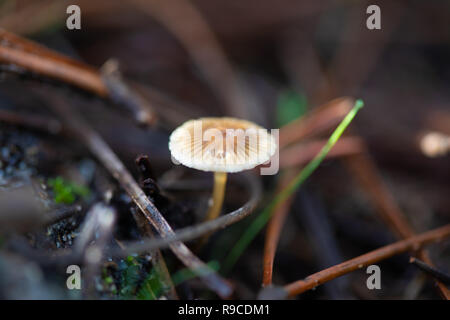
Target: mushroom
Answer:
pixel 221 145
pixel 435 144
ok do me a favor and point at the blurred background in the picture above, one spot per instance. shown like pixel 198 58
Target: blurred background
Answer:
pixel 271 62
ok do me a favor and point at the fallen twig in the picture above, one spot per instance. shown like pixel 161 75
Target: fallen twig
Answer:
pixel 365 172
pixel 413 243
pixel 83 77
pixel 109 159
pixel 158 261
pixel 39 59
pixel 191 233
pixel 274 227
pixel 121 93
pixel 31 121
pixel 435 273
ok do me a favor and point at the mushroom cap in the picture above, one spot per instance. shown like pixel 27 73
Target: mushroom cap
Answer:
pixel 221 144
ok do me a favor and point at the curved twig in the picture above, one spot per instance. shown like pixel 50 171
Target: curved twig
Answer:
pixel 274 227
pixel 411 244
pixel 190 233
pixel 109 159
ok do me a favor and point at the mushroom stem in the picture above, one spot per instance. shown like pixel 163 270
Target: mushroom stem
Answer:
pixel 220 181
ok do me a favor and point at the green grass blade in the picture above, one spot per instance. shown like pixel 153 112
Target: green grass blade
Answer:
pixel 259 223
pixel 188 274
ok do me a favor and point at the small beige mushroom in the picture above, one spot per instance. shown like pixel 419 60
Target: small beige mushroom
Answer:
pixel 221 145
pixel 435 144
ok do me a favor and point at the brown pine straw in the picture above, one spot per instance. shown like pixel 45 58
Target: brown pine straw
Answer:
pixel 367 175
pixel 414 243
pixel 80 76
pixel 36 58
pixel 301 153
pixel 318 121
pixel 274 228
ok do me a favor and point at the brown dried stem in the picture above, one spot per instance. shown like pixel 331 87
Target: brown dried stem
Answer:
pixel 320 120
pixel 439 275
pixel 301 153
pixel 39 59
pixel 31 121
pixel 414 243
pixel 193 232
pixel 109 159
pixel 158 261
pixel 274 227
pixel 83 77
pixel 366 173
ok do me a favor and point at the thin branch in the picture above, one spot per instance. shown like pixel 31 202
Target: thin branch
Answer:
pixel 435 273
pixel 83 77
pixel 109 159
pixel 39 59
pixel 158 262
pixel 121 93
pixel 413 243
pixel 274 227
pixel 191 233
pixel 31 121
pixel 14 41
pixel 367 175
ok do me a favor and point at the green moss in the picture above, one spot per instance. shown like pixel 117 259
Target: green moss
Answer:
pixel 136 283
pixel 67 192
